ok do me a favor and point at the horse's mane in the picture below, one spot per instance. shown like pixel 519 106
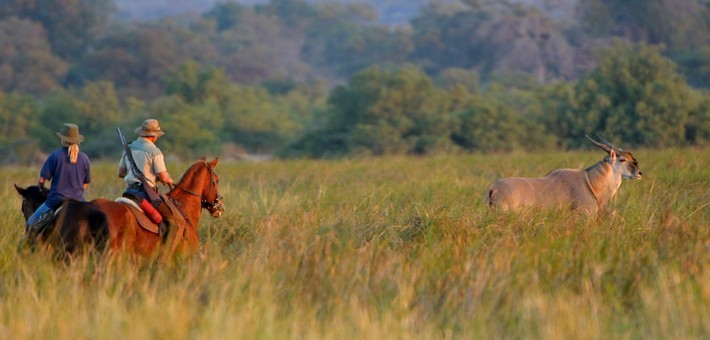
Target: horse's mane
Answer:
pixel 192 171
pixel 189 174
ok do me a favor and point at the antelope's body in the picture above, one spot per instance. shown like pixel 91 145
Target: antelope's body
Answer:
pixel 587 190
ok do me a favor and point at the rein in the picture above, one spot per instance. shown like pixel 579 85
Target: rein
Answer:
pixel 211 206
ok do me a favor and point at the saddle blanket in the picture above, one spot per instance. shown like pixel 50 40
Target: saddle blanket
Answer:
pixel 146 223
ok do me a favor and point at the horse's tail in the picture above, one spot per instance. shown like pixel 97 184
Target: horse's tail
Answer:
pixel 98 227
pixel 82 224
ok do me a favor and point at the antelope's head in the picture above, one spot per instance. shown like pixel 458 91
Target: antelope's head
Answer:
pixel 622 161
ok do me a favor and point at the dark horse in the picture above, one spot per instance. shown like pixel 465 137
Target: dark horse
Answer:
pixel 198 188
pixel 76 225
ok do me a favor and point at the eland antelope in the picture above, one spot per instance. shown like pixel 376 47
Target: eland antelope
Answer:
pixel 587 190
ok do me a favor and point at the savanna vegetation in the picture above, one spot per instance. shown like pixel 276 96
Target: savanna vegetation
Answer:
pixel 324 243
pixel 397 247
pixel 302 79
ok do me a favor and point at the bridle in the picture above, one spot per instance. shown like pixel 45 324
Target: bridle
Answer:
pixel 26 209
pixel 217 204
pixel 26 204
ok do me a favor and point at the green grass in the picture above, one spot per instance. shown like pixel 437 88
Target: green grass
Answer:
pixel 387 248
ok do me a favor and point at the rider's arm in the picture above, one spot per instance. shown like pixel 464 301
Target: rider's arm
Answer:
pixel 165 178
pixel 47 172
pixel 160 170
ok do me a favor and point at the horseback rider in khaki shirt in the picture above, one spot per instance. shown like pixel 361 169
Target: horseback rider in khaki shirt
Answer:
pixel 150 161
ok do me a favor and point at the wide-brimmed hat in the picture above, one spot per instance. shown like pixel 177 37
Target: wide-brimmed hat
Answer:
pixel 70 134
pixel 149 128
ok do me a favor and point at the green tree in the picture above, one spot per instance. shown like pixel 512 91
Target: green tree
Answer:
pixel 56 109
pixel 254 121
pixel 259 47
pixel 292 12
pixel 452 77
pixel 490 123
pixel 194 84
pixel 383 112
pixel 18 115
pixel 344 40
pixel 137 59
pixel 226 15
pixel 636 96
pixel 71 24
pixel 695 65
pixel 191 129
pixel 493 37
pixel 97 110
pixel 679 24
pixel 27 64
pixel 697 130
pixel 100 111
pixel 557 110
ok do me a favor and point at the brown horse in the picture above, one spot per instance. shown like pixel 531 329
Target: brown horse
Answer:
pixel 198 188
pixel 76 225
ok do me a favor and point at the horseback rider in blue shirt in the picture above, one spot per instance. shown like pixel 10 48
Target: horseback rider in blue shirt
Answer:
pixel 68 169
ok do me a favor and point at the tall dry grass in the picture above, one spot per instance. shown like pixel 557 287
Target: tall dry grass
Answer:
pixel 387 248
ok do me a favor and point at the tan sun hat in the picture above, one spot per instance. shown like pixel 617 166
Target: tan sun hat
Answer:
pixel 149 128
pixel 70 134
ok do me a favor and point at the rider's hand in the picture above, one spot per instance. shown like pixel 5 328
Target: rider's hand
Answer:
pixel 164 177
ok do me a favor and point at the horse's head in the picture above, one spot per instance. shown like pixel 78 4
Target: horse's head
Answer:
pixel 32 197
pixel 202 181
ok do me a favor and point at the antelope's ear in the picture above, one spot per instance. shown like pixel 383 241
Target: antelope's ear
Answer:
pixel 203 159
pixel 612 155
pixel 20 190
pixel 214 163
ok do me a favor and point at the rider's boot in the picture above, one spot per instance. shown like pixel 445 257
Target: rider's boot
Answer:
pixel 168 221
pixel 164 228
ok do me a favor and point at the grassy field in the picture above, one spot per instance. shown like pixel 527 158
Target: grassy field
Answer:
pixel 387 248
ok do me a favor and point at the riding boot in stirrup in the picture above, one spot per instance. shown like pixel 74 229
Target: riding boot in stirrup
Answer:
pixel 163 229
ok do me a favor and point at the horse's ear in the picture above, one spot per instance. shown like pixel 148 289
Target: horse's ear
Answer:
pixel 214 162
pixel 20 190
pixel 203 159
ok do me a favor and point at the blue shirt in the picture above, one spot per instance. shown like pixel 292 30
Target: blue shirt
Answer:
pixel 67 179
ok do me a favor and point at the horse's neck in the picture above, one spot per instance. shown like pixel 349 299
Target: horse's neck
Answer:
pixel 189 201
pixel 603 181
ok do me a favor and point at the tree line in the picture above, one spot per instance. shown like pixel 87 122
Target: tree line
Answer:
pixel 634 96
pixel 304 80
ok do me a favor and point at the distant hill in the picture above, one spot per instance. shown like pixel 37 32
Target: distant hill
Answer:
pixel 391 11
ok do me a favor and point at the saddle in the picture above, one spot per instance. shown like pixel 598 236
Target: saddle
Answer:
pixel 146 223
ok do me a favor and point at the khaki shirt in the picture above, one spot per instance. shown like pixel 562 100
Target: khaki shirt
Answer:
pixel 149 160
